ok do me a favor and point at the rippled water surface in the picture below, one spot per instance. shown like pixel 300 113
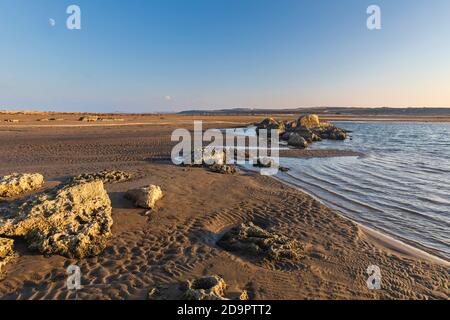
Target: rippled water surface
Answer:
pixel 401 186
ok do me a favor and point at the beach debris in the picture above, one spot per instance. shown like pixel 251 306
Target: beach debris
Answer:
pixel 145 197
pixel 206 288
pixel 6 252
pixel 223 168
pixel 249 239
pixel 330 132
pixel 72 220
pixel 153 293
pixel 105 176
pixel 244 296
pixel 19 183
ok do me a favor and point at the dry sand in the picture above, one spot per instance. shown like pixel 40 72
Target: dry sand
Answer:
pixel 177 242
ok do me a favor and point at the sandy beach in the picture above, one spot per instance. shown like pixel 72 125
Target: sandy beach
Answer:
pixel 177 241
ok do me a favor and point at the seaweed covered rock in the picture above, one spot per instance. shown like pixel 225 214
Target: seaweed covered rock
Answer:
pixel 205 288
pixel 145 197
pixel 72 220
pixel 19 183
pixel 251 240
pixel 105 176
pixel 6 252
pixel 223 168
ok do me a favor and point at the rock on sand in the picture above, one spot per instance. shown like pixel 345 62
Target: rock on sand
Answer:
pixel 145 197
pixel 205 288
pixel 251 240
pixel 17 184
pixel 72 220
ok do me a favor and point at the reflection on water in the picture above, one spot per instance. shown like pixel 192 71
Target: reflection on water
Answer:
pixel 401 186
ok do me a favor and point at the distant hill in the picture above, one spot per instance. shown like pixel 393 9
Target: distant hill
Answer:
pixel 328 110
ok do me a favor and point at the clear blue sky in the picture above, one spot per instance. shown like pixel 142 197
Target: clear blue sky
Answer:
pixel 170 55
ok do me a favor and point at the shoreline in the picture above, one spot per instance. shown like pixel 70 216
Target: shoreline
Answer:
pixel 400 246
pixel 389 241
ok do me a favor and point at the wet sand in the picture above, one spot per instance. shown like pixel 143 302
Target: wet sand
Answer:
pixel 178 241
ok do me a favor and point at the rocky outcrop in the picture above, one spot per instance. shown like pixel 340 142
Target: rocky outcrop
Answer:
pixel 145 197
pixel 205 288
pixel 6 252
pixel 309 121
pixel 271 124
pixel 89 118
pixel 104 176
pixel 17 184
pixel 306 129
pixel 251 240
pixel 72 220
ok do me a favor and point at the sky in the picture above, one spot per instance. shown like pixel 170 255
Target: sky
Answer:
pixel 173 55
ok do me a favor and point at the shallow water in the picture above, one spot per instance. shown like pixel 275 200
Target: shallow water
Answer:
pixel 401 186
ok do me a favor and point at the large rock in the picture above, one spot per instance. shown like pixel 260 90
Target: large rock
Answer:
pixel 296 140
pixel 307 134
pixel 145 197
pixel 6 252
pixel 309 121
pixel 72 220
pixel 205 288
pixel 17 184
